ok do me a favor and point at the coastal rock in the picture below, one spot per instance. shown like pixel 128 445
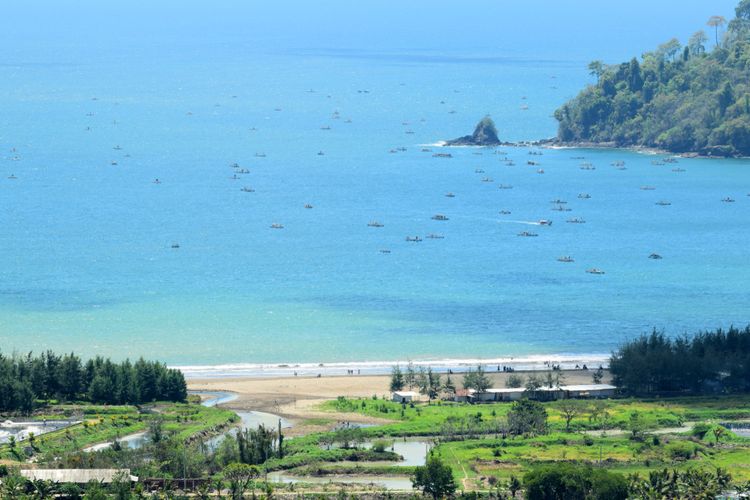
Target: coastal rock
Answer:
pixel 485 134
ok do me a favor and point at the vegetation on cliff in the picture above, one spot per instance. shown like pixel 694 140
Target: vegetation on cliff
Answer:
pixel 680 98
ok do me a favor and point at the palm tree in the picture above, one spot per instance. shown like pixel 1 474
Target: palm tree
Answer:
pixel 716 22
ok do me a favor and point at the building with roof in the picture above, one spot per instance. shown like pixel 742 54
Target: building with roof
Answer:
pixel 581 391
pixel 77 476
pixel 404 396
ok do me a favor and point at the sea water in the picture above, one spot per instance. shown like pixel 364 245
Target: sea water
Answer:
pixel 100 258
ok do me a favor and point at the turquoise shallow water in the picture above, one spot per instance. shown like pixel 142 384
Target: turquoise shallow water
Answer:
pixel 86 245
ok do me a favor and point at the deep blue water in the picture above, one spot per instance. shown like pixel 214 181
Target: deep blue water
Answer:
pixel 86 245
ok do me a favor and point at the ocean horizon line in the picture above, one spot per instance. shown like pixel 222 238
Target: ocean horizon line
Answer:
pixel 445 365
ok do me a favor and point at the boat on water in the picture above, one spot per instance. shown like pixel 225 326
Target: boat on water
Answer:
pixel 561 208
pixel 728 199
pixel 559 202
pixel 156 181
pixel 544 222
pixel 663 203
pixel 565 258
pixel 276 225
pixel 308 206
pixel 584 196
pixel 435 236
pixel 117 148
pixel 440 217
pixel 478 171
pixel 325 127
pixel 527 234
pixel 647 188
pixel 12 176
pixel 655 256
pixel 374 223
pixel 321 153
pixel 594 270
pixel 113 163
pixel 540 171
pixel 576 220
pixel 450 195
pixel 413 239
pixel 487 179
pixel 426 150
pixel 505 186
pixel 247 189
pixel 175 245
pixel 442 155
pixel 384 250
pixel 678 170
pixel 504 212
pixel 260 155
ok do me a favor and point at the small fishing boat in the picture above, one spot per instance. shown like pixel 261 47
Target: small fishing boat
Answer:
pixel 647 188
pixel 576 220
pixel 450 195
pixel 435 236
pixel 260 155
pixel 655 256
pixel 505 186
pixel 504 212
pixel 584 196
pixel 565 258
pixel 540 171
pixel 527 234
pixel 308 206
pixel 374 223
pixel 594 270
pixel 561 208
pixel 156 181
pixel 440 217
pixel 663 203
pixel 12 176
pixel 384 250
pixel 442 155
pixel 276 225
pixel 478 171
pixel 545 222
pixel 487 179
pixel 175 245
pixel 321 153
pixel 247 189
pixel 728 200
pixel 413 239
pixel 559 202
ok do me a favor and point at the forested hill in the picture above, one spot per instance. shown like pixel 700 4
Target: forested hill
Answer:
pixel 692 98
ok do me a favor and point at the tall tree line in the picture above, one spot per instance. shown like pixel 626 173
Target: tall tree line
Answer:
pixel 716 361
pixel 26 379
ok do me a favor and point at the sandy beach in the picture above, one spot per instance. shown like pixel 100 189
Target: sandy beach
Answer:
pixel 297 398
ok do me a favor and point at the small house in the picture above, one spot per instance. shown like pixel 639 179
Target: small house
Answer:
pixel 78 476
pixel 404 396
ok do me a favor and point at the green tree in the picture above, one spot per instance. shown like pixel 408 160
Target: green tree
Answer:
pixel 527 417
pixel 570 409
pixel 514 381
pixel 477 380
pixel 697 43
pixel 434 478
pixel 397 379
pixel 239 477
pixel 569 482
pixel 596 68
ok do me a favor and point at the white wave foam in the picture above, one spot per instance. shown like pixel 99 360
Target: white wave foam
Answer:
pixel 533 362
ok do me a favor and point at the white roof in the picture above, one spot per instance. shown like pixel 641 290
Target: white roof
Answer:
pixel 587 387
pixel 406 393
pixel 80 476
pixel 506 390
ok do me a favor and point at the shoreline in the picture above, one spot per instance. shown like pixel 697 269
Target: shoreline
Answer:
pixel 535 362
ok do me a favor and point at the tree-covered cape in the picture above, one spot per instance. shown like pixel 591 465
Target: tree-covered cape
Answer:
pixel 682 99
pixel 25 379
